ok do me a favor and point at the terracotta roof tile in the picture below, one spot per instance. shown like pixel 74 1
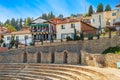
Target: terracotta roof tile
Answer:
pixel 63 20
pixel 118 5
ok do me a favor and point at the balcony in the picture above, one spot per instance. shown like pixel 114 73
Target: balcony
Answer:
pixel 35 30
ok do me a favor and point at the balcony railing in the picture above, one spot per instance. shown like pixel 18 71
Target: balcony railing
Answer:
pixel 39 31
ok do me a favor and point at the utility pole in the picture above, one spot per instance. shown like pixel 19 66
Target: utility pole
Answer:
pixel 25 53
pixel 100 23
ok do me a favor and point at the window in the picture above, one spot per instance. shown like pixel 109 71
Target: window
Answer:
pixel 63 36
pixel 8 38
pixel 72 25
pixel 26 37
pixel 113 14
pixel 62 26
pixel 93 20
pixel 118 10
pixel 17 38
pixel 113 20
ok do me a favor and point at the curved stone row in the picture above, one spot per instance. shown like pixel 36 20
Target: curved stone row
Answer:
pixel 34 71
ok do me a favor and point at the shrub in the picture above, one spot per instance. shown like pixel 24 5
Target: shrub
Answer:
pixel 69 38
pixel 114 50
pixel 106 29
pixel 77 37
pixel 1 41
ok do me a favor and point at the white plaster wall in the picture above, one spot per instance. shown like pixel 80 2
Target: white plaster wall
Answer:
pixel 21 38
pixel 68 29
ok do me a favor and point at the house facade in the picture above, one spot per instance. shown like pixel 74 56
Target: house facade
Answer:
pixel 23 37
pixel 67 26
pixel 106 18
pixel 42 30
pixel 117 21
pixel 103 19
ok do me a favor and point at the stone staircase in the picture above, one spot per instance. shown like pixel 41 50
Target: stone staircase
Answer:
pixel 32 71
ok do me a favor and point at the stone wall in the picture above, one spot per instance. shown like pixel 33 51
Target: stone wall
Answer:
pixel 100 60
pixel 11 58
pixel 3 49
pixel 73 58
pixel 66 52
pixel 59 57
pixel 111 60
pixel 31 57
pixel 46 58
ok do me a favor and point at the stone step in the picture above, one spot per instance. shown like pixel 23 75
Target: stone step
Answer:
pixel 15 74
pixel 43 73
pixel 62 71
pixel 55 70
pixel 72 67
pixel 89 75
pixel 64 74
pixel 15 77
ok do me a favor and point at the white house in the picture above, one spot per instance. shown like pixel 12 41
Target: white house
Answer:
pixel 23 37
pixel 106 18
pixel 66 28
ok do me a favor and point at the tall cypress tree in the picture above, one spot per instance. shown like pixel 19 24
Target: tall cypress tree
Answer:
pixel 90 11
pixel 100 7
pixel 108 7
pixel 20 23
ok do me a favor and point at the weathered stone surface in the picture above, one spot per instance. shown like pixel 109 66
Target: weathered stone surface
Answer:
pixel 11 58
pixel 31 57
pixel 100 60
pixel 46 58
pixel 73 58
pixel 59 57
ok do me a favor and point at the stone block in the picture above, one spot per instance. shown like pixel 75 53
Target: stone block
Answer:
pixel 31 57
pixel 46 58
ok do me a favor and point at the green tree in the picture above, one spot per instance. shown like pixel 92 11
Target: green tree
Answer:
pixel 86 14
pixel 1 24
pixel 28 20
pixel 1 40
pixel 47 16
pixel 73 15
pixel 52 15
pixel 7 22
pixel 20 23
pixel 90 11
pixel 13 22
pixel 100 7
pixel 17 25
pixel 108 7
pixel 10 27
pixel 60 16
pixel 12 42
pixel 44 16
pixel 76 37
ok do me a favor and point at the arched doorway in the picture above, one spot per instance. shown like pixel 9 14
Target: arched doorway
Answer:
pixel 38 57
pixel 53 57
pixel 25 57
pixel 65 57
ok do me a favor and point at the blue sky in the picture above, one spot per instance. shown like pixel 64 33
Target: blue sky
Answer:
pixel 34 8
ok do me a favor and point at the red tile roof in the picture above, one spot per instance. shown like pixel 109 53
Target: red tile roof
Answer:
pixel 118 5
pixel 63 20
pixel 117 23
pixel 88 28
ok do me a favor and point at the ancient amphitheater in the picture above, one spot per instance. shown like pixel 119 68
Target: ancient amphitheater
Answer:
pixel 35 71
pixel 62 61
